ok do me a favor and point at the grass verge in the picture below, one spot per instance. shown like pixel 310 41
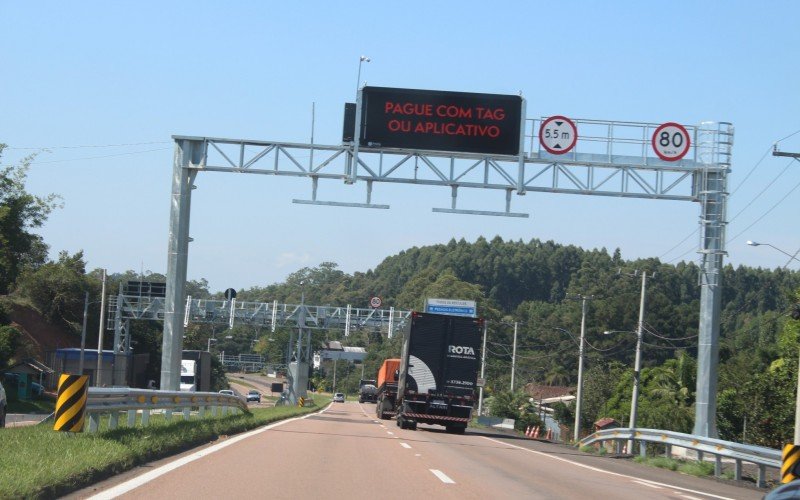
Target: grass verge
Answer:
pixel 690 467
pixel 38 462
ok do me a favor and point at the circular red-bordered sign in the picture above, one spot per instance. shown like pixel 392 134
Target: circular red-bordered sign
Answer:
pixel 671 141
pixel 558 135
pixel 375 302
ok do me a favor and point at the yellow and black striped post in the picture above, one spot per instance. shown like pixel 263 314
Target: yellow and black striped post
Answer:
pixel 71 403
pixel 789 466
pixel 301 402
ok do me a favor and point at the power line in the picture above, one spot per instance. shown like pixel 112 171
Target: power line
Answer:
pixel 762 191
pixel 752 170
pixel 45 148
pixel 773 207
pixel 96 157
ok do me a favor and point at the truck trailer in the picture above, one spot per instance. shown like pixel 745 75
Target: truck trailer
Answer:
pixel 386 396
pixel 438 371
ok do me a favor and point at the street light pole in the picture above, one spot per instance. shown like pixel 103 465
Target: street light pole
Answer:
pixel 797 397
pixel 791 257
pixel 360 60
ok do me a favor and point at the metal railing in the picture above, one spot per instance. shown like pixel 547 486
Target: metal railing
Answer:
pixel 114 401
pixel 758 455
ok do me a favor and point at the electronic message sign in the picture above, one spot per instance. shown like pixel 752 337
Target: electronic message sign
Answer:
pixel 440 120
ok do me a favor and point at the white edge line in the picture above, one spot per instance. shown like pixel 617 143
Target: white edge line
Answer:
pixel 134 483
pixel 647 484
pixel 606 471
pixel 442 476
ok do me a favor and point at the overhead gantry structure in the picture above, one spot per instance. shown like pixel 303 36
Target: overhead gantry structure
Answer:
pixel 610 159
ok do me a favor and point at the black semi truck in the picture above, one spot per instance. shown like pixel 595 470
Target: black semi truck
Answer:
pixel 438 371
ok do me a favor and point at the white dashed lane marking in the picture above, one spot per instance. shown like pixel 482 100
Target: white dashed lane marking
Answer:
pixel 405 445
pixel 442 476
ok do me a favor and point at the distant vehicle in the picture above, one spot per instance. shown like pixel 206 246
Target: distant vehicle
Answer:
pixel 338 397
pixel 227 392
pixel 368 393
pixel 254 396
pixel 3 404
pixel 188 381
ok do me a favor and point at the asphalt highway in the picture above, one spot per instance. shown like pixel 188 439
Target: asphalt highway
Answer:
pixel 345 452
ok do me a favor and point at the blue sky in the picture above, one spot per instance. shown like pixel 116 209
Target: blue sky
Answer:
pixel 136 73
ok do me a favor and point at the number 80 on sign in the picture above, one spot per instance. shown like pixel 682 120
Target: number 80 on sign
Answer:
pixel 671 141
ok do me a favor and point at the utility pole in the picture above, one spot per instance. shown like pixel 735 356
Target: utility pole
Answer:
pixel 637 367
pixel 514 358
pixel 83 333
pixel 579 395
pixel 100 333
pixel 483 368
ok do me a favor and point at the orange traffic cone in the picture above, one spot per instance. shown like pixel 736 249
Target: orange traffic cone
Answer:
pixel 536 432
pixel 527 430
pixel 549 434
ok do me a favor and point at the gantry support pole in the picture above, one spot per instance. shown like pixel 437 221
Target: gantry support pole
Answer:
pixel 188 157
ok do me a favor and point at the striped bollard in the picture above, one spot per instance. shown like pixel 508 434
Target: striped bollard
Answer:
pixel 789 464
pixel 71 403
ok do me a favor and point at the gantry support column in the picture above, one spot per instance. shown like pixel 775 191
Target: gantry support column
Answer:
pixel 714 150
pixel 188 157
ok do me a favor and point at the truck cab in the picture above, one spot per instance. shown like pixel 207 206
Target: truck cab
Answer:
pixel 188 375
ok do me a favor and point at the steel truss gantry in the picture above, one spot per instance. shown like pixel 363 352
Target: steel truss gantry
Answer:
pixel 271 315
pixel 611 158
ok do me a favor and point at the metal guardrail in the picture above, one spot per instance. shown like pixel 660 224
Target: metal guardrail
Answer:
pixel 113 401
pixel 759 455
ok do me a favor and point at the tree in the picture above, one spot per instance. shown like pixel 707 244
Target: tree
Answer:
pixel 20 212
pixel 57 288
pixel 9 341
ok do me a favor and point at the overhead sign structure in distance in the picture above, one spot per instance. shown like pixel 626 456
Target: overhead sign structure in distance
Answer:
pixel 452 307
pixel 439 120
pixel 558 135
pixel 375 302
pixel 671 141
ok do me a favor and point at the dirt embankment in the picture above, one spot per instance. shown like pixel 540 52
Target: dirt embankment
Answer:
pixel 39 336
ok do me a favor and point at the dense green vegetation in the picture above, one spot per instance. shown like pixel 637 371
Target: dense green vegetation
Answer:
pixel 529 283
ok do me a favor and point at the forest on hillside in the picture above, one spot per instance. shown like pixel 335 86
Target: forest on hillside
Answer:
pixel 533 284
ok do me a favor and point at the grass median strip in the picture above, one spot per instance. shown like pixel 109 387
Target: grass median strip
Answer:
pixel 38 462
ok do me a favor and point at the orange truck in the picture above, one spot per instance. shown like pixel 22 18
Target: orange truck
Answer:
pixel 387 388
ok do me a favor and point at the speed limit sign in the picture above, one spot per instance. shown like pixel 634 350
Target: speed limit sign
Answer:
pixel 375 302
pixel 671 141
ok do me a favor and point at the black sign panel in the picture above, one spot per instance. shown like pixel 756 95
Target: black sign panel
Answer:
pixel 349 126
pixel 145 289
pixel 440 121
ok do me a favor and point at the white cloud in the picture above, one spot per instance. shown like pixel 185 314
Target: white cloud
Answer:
pixel 287 259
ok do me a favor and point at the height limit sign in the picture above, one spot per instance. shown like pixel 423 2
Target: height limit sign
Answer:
pixel 558 135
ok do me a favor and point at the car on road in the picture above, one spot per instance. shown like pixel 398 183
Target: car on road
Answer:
pixel 254 396
pixel 227 392
pixel 3 405
pixel 338 397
